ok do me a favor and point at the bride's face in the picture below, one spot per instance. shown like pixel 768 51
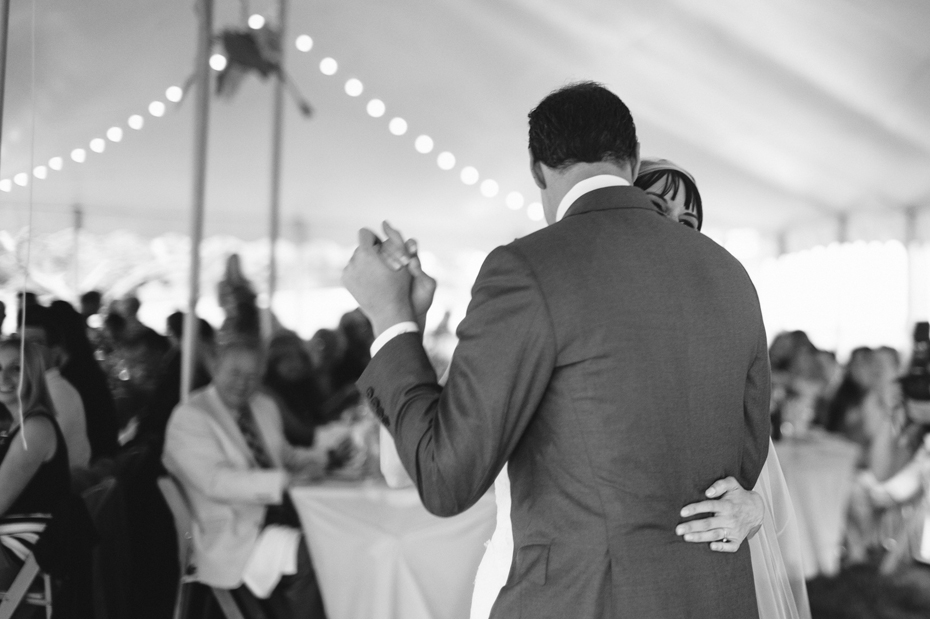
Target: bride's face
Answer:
pixel 672 205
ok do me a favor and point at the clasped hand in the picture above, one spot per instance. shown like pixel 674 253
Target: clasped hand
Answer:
pixel 387 279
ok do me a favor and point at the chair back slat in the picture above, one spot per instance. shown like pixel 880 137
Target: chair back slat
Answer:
pixel 181 513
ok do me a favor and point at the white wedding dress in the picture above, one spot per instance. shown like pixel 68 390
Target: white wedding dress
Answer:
pixel 775 550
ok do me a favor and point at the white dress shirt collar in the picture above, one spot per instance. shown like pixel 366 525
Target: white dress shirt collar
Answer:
pixel 587 185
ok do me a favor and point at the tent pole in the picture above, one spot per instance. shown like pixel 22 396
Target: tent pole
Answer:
pixel 4 35
pixel 78 213
pixel 277 137
pixel 201 123
pixel 911 247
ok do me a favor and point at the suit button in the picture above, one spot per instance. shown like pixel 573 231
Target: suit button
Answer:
pixel 376 403
pixel 369 392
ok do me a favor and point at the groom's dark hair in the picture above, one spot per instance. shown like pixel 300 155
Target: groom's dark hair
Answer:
pixel 581 123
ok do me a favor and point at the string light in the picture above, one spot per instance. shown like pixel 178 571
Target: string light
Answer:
pixel 174 94
pixel 375 108
pixel 217 62
pixel 469 175
pixel 489 188
pixel 445 160
pixel 397 126
pixel 97 145
pixel 354 87
pixel 328 66
pixel 535 211
pixel 157 109
pixel 256 21
pixel 304 43
pixel 423 144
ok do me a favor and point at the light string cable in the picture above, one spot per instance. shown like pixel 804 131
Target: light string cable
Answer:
pixel 23 304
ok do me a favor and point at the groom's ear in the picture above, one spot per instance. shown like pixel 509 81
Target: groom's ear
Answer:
pixel 634 164
pixel 538 176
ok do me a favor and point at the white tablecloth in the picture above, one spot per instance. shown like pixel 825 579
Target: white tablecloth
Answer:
pixel 819 472
pixel 379 554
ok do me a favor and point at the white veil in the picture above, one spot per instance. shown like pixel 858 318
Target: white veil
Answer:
pixel 776 549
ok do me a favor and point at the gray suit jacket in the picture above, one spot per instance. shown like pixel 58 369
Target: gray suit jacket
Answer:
pixel 618 361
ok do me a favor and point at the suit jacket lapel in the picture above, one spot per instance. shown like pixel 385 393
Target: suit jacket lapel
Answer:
pixel 224 417
pixel 266 428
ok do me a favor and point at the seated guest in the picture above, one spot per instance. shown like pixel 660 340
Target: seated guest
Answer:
pixel 326 348
pixel 69 409
pixel 289 378
pixel 153 418
pixel 34 482
pixel 91 302
pixel 858 407
pixel 81 369
pixel 358 337
pixel 226 447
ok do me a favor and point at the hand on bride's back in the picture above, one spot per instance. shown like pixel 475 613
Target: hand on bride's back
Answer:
pixel 734 515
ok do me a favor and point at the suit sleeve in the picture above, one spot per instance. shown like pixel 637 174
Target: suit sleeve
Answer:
pixel 453 441
pixel 757 419
pixel 193 455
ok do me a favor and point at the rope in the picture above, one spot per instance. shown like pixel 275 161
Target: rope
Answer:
pixel 32 148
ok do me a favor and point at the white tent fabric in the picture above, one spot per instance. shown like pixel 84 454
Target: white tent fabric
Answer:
pixel 788 112
pixel 805 123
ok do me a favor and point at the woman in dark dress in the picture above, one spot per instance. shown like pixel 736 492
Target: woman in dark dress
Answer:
pixel 34 481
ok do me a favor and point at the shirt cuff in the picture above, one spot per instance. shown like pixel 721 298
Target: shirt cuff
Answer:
pixel 391 332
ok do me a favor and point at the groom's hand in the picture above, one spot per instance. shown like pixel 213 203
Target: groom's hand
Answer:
pixel 735 516
pixel 382 293
pixel 398 254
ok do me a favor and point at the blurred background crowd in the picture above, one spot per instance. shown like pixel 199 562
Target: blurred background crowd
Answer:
pixel 846 431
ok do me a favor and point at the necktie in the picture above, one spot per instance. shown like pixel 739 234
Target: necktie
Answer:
pixel 249 431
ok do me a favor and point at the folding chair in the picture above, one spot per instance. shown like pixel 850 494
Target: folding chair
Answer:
pixel 19 593
pixel 177 503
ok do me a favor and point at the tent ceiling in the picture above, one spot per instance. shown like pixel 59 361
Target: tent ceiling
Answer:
pixel 787 112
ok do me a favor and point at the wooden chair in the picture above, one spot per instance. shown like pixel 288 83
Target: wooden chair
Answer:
pixel 19 592
pixel 177 503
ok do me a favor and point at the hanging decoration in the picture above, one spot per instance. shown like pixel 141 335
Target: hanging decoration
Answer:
pixel 254 50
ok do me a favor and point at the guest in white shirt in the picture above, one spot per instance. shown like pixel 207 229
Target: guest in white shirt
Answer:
pixel 226 447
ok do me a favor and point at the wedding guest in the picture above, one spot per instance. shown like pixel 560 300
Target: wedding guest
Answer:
pixel 153 418
pixel 857 410
pixel 91 302
pixel 358 337
pixel 82 370
pixel 34 482
pixel 326 348
pixel 68 406
pixel 226 447
pixel 290 379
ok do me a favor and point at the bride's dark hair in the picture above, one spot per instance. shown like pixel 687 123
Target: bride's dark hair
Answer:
pixel 672 181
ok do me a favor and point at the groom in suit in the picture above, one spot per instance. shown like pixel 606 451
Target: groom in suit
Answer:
pixel 615 360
